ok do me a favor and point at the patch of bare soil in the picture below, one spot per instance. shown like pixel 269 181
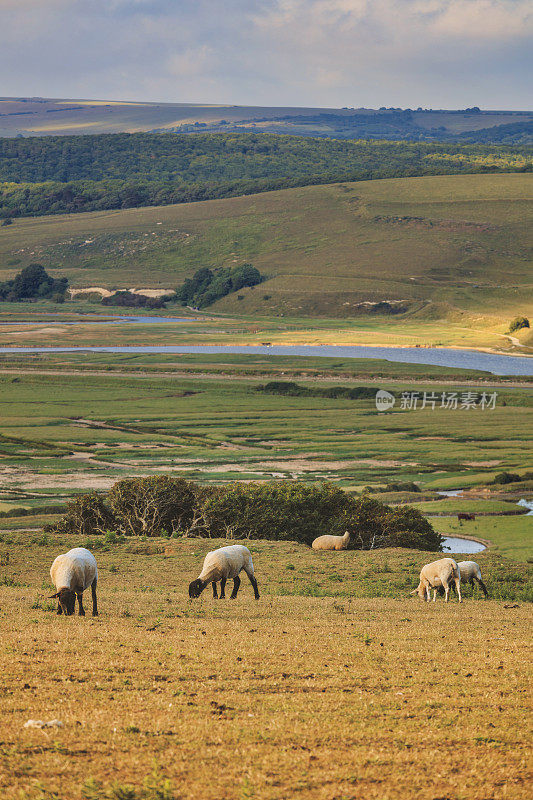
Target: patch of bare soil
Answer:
pixel 35 480
pixel 482 463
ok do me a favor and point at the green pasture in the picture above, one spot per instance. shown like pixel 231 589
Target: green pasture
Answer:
pixel 438 243
pixel 456 505
pixel 510 536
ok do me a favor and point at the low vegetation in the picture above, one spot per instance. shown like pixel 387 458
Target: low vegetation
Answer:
pixel 314 246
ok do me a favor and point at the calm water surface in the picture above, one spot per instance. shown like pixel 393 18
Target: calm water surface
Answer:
pixel 463 359
pixel 456 546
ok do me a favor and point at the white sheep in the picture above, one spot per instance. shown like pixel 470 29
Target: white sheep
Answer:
pixel 328 542
pixel 71 574
pixel 443 572
pixel 470 572
pixel 222 564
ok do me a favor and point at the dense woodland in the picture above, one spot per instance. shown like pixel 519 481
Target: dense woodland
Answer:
pixel 49 175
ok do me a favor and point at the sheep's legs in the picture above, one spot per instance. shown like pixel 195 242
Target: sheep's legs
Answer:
pixel 236 584
pixel 215 594
pixel 95 602
pixel 458 587
pixel 59 609
pixel 254 584
pixel 223 589
pixel 80 604
pixel 482 585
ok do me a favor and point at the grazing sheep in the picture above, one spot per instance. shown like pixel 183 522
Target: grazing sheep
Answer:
pixel 219 565
pixel 71 574
pixel 332 542
pixel 470 572
pixel 443 572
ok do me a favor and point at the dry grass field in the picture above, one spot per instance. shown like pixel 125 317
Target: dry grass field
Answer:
pixel 294 696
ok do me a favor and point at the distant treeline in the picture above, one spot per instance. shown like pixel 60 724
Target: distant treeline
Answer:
pixel 292 389
pixel 51 175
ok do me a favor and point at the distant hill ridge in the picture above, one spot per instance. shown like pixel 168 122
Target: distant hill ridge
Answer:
pixel 37 116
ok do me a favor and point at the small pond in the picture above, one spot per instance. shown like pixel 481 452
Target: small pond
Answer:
pixel 457 546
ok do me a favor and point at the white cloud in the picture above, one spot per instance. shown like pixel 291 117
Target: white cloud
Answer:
pixel 271 52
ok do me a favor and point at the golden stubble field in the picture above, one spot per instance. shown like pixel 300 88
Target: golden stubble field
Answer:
pixel 291 696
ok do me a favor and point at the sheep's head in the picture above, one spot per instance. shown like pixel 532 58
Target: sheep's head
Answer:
pixel 196 588
pixel 66 599
pixel 420 591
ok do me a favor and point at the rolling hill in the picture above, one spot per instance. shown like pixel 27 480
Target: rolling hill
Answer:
pixel 438 246
pixel 37 116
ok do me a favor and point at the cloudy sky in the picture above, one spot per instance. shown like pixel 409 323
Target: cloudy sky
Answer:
pixel 434 53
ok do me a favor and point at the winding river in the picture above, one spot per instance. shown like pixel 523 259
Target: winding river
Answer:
pixel 442 357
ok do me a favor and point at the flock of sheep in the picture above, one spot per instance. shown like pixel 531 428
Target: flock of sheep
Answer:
pixel 75 571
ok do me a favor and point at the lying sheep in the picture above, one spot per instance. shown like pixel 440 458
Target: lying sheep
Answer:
pixel 71 574
pixel 222 564
pixel 443 572
pixel 327 542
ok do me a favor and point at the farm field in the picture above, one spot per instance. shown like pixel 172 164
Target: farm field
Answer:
pixel 317 690
pixel 453 248
pixel 85 431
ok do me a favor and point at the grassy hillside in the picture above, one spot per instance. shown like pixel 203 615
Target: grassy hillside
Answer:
pixel 439 244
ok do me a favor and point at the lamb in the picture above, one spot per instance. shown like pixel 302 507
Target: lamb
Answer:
pixel 222 564
pixel 443 572
pixel 71 574
pixel 327 542
pixel 470 572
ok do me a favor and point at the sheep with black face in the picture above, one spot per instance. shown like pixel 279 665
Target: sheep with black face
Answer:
pixel 71 574
pixel 222 564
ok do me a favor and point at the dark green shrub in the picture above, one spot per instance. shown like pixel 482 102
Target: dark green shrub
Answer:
pixel 148 506
pixel 86 515
pixel 507 477
pixel 283 510
pixel 518 323
pixel 405 486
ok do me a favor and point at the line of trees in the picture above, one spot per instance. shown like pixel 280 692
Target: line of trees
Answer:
pixel 278 510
